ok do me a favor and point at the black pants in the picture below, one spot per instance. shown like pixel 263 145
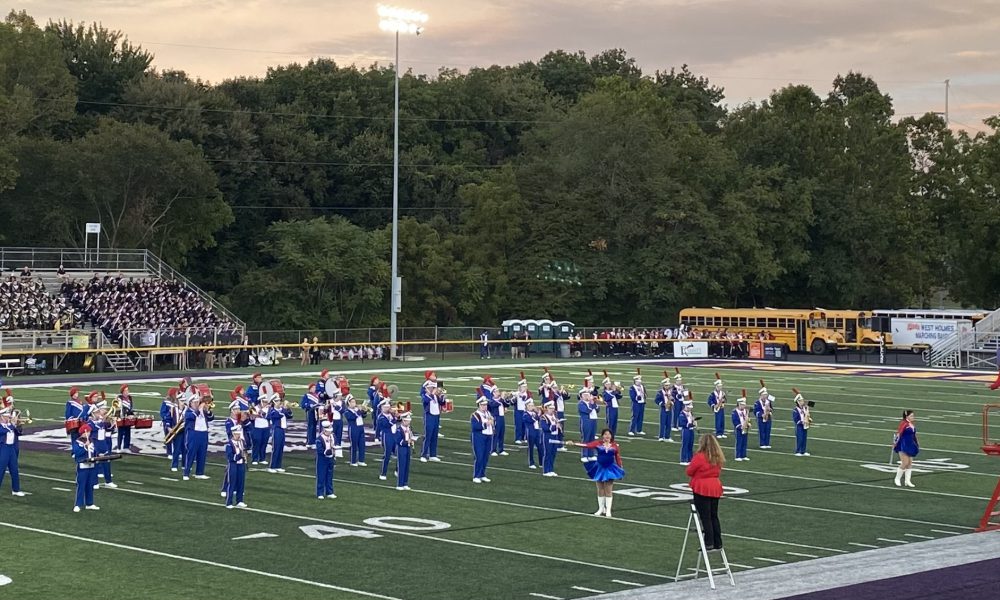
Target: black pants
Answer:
pixel 708 512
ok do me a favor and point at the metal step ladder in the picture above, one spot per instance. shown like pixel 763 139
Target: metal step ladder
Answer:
pixel 702 554
pixel 121 362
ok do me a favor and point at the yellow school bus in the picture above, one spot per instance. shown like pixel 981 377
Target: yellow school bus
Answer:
pixel 802 330
pixel 858 326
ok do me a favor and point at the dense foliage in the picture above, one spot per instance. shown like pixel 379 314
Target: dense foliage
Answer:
pixel 570 187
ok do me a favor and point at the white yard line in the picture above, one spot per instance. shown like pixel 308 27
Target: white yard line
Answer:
pixel 133 482
pixel 732 564
pixel 860 545
pixel 584 589
pixel 62 489
pixel 802 555
pixel 770 560
pixel 881 539
pixel 201 561
pixel 922 537
pixel 546 596
pixel 379 529
pixel 632 583
pixel 947 532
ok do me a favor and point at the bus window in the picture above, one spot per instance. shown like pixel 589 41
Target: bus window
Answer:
pixel 772 323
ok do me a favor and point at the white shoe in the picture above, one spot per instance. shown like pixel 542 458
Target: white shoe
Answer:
pixel 532 467
pixel 908 484
pixel 440 435
pixel 607 514
pixel 684 464
pixel 400 488
pixel 111 485
pixel 799 454
pixel 766 447
pixel 174 469
pixel 97 486
pixel 381 477
pixel 599 513
pixel 101 475
pixel 642 433
pixel 223 494
pixel 18 494
pixel 583 459
pixel 562 449
pixel 806 454
pixel 76 509
pixel 630 435
pixel 93 507
pixel 280 470
pixel 435 459
pixel 494 454
pixel 722 437
pixel 406 487
pixel 230 506
pixel 201 477
pixel 241 504
pixel 331 497
pixel 253 463
pixel 186 478
pixel 592 459
pixel 423 459
pixel 362 464
pixel 505 453
pixel 354 464
pixel 485 479
pixel 661 439
pixel 669 441
pixel 272 470
pixel 320 497
pixel 676 428
pixel 476 480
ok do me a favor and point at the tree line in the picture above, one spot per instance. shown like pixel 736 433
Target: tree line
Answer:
pixel 573 187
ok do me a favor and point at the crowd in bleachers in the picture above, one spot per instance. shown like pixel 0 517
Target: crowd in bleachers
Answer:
pixel 117 304
pixel 25 304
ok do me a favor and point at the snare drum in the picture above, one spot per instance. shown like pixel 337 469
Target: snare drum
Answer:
pixel 144 422
pixel 72 425
pixel 203 390
pixel 126 422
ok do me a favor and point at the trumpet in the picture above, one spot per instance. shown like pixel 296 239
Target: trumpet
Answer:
pixel 174 432
pixel 21 420
pixel 116 408
pixel 746 424
pixel 808 420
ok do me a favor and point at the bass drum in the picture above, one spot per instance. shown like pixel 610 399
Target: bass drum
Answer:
pixel 270 388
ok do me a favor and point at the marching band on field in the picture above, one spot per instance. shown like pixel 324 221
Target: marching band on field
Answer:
pixel 259 416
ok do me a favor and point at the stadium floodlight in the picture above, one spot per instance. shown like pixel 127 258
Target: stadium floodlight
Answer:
pixel 397 20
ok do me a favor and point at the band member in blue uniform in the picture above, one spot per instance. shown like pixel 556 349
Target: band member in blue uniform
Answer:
pixel 688 426
pixel 520 398
pixel 234 422
pixel 335 406
pixel 278 415
pixel 498 406
pixel 558 396
pixel 10 433
pixel 86 472
pixel 679 393
pixel 253 390
pixel 717 402
pixel 311 401
pixel 762 409
pixel 325 460
pixel 433 399
pixel 126 409
pixel 905 443
pixel 665 402
pixel 741 427
pixel 76 412
pixel 533 432
pixel 612 396
pixel 102 433
pixel 638 395
pixel 802 421
pixel 482 439
pixel 196 420
pixel 405 439
pixel 172 413
pixel 551 439
pixel 543 387
pixel 374 387
pixel 236 470
pixel 261 432
pixel 385 433
pixel 588 411
pixel 168 419
pixel 355 416
pixel 605 471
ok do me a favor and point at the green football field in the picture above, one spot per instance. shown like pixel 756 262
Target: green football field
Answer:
pixel 520 536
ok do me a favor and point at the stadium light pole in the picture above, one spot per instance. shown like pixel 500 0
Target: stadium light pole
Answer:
pixel 397 20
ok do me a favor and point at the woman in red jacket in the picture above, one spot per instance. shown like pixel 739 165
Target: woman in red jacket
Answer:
pixel 704 471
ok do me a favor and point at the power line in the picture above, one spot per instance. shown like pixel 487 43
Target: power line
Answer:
pixel 350 164
pixel 343 208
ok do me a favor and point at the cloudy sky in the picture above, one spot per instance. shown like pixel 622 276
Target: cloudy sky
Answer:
pixel 749 47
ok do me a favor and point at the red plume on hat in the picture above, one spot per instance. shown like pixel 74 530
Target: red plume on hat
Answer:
pixel 85 428
pixel 761 383
pixel 345 388
pixel 123 387
pixel 665 374
pixel 605 371
pixel 233 395
pixel 676 370
pixel 522 374
pixel 312 387
pixel 637 371
pixel 172 393
pixel 429 374
pixel 325 373
pixel 488 379
pixel 184 383
pixel 238 390
pixel 256 375
pixel 796 390
pixel 90 397
pixel 744 392
pixel 372 382
pixel 74 391
pixel 717 375
pixel 589 372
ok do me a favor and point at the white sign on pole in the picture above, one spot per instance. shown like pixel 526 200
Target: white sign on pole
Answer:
pixel 689 349
pixel 93 228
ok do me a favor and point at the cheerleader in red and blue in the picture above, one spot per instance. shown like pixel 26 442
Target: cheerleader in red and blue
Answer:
pixel 605 471
pixel 905 443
